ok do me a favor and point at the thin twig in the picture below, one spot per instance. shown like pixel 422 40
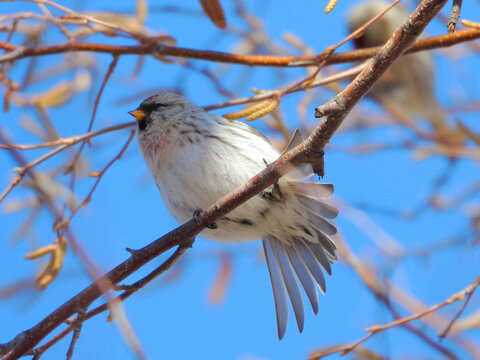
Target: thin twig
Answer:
pixel 70 141
pixel 342 75
pixel 454 15
pixel 215 56
pixel 55 20
pixel 468 293
pixel 76 327
pixel 110 70
pixel 99 176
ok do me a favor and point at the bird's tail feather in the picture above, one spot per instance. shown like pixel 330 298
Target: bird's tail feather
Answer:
pixel 312 196
pixel 302 258
pixel 288 261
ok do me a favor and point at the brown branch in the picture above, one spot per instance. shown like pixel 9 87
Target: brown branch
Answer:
pixel 308 151
pixel 18 52
pixel 126 294
pixel 468 292
pixel 455 297
pixel 454 15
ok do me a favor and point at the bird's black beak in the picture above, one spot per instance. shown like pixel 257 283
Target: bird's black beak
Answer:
pixel 138 114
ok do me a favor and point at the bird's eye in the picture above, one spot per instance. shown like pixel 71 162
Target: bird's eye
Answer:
pixel 148 108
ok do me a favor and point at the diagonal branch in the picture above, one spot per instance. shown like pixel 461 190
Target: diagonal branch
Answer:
pixel 308 151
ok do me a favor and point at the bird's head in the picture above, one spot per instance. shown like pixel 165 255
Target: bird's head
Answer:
pixel 161 109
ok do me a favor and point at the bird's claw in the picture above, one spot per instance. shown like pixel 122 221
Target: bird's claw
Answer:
pixel 197 213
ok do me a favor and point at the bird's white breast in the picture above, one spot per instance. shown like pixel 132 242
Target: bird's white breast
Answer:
pixel 193 170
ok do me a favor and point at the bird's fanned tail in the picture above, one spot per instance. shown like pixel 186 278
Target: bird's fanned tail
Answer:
pixel 302 258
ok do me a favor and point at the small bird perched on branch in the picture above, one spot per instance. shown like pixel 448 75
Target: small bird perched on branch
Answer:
pixel 197 157
pixel 408 85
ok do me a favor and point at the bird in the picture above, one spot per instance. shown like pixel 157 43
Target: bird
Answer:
pixel 408 85
pixel 197 157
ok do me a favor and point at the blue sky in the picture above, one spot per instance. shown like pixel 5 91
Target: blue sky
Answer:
pixel 174 319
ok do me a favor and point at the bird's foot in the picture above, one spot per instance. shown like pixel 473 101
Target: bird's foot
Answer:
pixel 197 213
pixel 275 194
